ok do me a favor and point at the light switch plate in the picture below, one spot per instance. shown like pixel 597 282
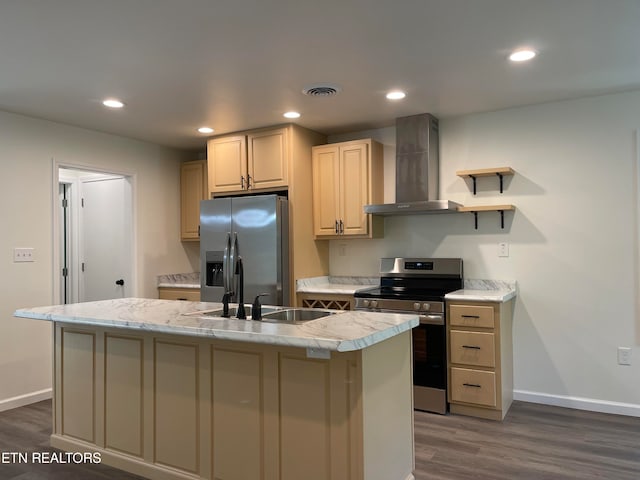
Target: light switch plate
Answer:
pixel 624 356
pixel 23 255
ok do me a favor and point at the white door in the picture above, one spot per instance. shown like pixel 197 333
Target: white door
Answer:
pixel 106 244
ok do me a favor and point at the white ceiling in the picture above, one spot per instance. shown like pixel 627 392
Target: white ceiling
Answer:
pixel 238 64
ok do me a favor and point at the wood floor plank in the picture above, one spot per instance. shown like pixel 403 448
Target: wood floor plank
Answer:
pixel 534 442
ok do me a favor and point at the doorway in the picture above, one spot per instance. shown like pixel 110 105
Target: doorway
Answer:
pixel 95 235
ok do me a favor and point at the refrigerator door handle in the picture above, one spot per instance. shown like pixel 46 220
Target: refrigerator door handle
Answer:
pixel 232 265
pixel 225 264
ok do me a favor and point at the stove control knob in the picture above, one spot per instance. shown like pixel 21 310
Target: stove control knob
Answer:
pixel 366 303
pixel 426 306
pixel 416 306
pixel 374 303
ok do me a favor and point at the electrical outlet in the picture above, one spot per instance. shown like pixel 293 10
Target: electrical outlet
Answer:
pixel 624 356
pixel 342 250
pixel 503 249
pixel 23 255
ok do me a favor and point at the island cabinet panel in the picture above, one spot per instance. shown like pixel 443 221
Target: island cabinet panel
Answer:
pixel 78 384
pixel 240 414
pixel 176 423
pixel 180 407
pixel 123 386
pixel 305 406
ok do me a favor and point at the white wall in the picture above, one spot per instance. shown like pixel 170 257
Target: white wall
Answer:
pixel 27 147
pixel 572 239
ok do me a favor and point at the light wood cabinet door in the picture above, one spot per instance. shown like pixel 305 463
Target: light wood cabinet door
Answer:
pixel 257 160
pixel 326 180
pixel 227 158
pixel 354 188
pixel 267 164
pixel 193 189
pixel 346 177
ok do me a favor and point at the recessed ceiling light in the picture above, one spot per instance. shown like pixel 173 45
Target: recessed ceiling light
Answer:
pixel 522 55
pixel 113 103
pixel 291 115
pixel 396 95
pixel 205 130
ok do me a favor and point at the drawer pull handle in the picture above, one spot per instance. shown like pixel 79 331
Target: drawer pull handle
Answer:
pixel 182 299
pixel 470 316
pixel 471 346
pixel 474 385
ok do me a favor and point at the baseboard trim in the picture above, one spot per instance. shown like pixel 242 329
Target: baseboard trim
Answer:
pixel 27 399
pixel 579 403
pixel 122 461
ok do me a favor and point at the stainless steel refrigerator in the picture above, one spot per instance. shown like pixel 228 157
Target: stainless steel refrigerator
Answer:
pixel 255 228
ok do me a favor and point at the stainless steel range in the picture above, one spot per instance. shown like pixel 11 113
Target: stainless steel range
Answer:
pixel 418 285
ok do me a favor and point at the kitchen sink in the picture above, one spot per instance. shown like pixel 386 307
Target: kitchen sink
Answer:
pixel 297 315
pixel 233 311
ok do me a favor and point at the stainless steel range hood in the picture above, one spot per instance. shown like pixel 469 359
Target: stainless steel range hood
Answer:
pixel 417 163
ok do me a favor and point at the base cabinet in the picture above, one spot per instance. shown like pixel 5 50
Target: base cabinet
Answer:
pixel 480 358
pixel 179 407
pixel 177 293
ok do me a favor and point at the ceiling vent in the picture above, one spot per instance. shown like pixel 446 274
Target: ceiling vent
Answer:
pixel 321 90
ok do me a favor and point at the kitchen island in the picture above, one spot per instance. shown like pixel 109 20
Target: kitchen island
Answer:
pixel 165 393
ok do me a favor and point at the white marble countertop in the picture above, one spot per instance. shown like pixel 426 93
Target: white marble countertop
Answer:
pixel 345 331
pixel 179 280
pixel 484 291
pixel 335 285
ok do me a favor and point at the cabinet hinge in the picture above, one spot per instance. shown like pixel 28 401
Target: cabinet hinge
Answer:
pixel 65 272
pixel 65 203
pixel 82 266
pixel 82 202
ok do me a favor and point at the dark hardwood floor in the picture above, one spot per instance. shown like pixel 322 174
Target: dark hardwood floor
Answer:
pixel 533 442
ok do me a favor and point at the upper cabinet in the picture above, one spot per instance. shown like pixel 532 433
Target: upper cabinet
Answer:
pixel 346 177
pixel 254 161
pixel 193 188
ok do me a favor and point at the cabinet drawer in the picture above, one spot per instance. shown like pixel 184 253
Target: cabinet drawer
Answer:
pixel 472 316
pixel 191 294
pixel 472 348
pixel 473 386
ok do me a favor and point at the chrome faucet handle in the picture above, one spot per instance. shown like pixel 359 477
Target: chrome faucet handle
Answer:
pixel 256 309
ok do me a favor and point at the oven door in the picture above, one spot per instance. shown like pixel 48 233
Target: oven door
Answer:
pixel 430 364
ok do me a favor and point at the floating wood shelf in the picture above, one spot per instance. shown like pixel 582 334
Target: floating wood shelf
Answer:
pixel 486 172
pixel 487 208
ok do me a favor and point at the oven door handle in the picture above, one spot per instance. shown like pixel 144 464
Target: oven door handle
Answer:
pixel 431 319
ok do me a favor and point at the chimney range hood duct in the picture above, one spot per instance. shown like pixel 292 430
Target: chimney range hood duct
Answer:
pixel 417 162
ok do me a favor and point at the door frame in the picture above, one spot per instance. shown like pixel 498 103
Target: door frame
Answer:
pixel 131 176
